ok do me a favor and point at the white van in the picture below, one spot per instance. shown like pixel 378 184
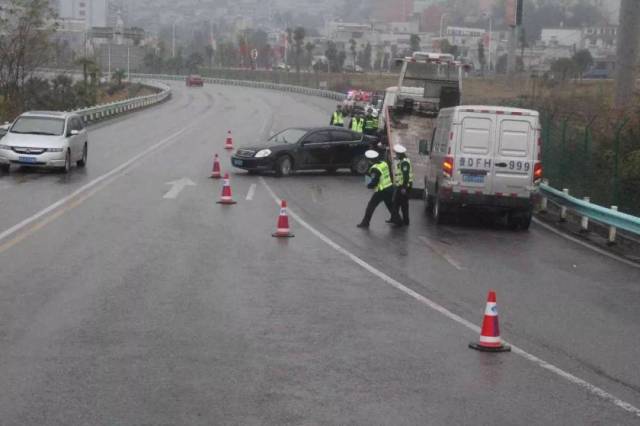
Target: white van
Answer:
pixel 485 157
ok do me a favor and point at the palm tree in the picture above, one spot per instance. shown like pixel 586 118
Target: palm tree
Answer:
pixel 352 47
pixel 309 48
pixel 298 37
pixel 118 76
pixel 86 63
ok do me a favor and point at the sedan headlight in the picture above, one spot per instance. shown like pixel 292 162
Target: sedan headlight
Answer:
pixel 5 147
pixel 55 149
pixel 263 153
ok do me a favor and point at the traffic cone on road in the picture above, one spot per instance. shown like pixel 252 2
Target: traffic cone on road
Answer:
pixel 215 172
pixel 226 197
pixel 282 230
pixel 490 334
pixel 228 144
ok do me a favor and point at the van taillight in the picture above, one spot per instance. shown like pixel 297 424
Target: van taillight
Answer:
pixel 537 172
pixel 447 166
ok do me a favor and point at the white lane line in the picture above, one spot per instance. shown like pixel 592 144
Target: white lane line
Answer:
pixel 443 254
pixel 251 192
pixel 585 244
pixel 26 222
pixel 447 313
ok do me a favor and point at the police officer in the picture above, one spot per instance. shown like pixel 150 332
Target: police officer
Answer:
pixel 380 183
pixel 370 123
pixel 357 123
pixel 403 182
pixel 337 118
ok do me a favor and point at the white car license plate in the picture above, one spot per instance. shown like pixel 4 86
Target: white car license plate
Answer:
pixel 237 162
pixel 473 178
pixel 27 159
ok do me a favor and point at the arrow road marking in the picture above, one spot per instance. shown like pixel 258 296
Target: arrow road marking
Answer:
pixel 177 186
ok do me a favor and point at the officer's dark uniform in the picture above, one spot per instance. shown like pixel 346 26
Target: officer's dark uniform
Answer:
pixel 382 185
pixel 403 184
pixel 370 125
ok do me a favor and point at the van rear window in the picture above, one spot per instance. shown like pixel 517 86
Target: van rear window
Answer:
pixel 476 135
pixel 514 138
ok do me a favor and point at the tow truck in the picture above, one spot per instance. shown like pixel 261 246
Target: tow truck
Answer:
pixel 427 83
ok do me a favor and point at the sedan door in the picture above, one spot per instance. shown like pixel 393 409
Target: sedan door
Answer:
pixel 346 145
pixel 316 150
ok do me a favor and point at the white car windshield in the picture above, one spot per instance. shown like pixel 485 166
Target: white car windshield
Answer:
pixel 38 126
pixel 287 136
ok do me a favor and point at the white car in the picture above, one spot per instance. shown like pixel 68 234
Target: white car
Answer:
pixel 45 139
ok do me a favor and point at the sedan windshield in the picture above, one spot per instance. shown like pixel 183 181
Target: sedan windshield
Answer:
pixel 287 136
pixel 38 126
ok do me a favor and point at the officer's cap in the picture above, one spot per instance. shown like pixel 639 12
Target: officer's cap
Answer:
pixel 399 149
pixel 371 154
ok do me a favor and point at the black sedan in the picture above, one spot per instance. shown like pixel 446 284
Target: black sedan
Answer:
pixel 321 148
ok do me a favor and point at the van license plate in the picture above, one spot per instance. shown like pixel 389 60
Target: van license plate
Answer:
pixel 237 162
pixel 473 178
pixel 27 159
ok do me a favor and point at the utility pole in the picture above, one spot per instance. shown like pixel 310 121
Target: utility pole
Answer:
pixel 173 41
pixel 128 65
pixel 628 47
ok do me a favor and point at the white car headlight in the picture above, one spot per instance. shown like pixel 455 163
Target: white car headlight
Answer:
pixel 263 153
pixel 5 147
pixel 55 149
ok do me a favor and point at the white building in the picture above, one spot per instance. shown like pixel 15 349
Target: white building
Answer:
pixel 93 12
pixel 562 37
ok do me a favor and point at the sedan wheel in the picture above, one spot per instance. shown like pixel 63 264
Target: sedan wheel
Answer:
pixel 284 166
pixel 360 165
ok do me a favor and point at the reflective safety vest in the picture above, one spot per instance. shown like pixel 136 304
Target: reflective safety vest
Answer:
pixel 371 123
pixel 338 119
pixel 357 124
pixel 399 177
pixel 385 176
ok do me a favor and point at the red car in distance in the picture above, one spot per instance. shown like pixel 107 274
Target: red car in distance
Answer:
pixel 195 80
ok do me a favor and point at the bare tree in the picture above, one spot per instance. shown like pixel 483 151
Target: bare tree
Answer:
pixel 627 52
pixel 25 29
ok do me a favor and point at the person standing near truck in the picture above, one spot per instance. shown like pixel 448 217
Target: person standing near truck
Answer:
pixel 382 187
pixel 357 123
pixel 403 182
pixel 370 123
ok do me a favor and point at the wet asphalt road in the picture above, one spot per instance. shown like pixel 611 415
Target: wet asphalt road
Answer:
pixel 122 307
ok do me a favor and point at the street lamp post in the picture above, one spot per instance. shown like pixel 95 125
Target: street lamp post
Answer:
pixel 490 42
pixel 442 23
pixel 128 65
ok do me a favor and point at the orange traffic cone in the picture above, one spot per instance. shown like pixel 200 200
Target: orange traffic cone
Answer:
pixel 283 231
pixel 490 335
pixel 228 144
pixel 215 172
pixel 226 197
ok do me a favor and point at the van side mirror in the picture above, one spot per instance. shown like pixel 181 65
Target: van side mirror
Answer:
pixel 73 132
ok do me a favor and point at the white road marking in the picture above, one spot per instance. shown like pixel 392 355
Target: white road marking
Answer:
pixel 121 168
pixel 251 192
pixel 176 187
pixel 585 244
pixel 442 253
pixel 447 313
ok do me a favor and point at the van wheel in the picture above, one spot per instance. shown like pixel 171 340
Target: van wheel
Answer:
pixel 83 162
pixel 4 168
pixel 440 214
pixel 428 201
pixel 519 219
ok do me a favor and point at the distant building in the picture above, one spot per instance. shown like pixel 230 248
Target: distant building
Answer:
pixel 392 10
pixel 92 12
pixel 571 37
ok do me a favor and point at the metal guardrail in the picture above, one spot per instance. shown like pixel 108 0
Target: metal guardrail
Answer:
pixel 589 211
pixel 100 112
pixel 253 84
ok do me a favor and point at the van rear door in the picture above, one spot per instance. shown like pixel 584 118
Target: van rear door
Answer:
pixel 514 155
pixel 473 165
